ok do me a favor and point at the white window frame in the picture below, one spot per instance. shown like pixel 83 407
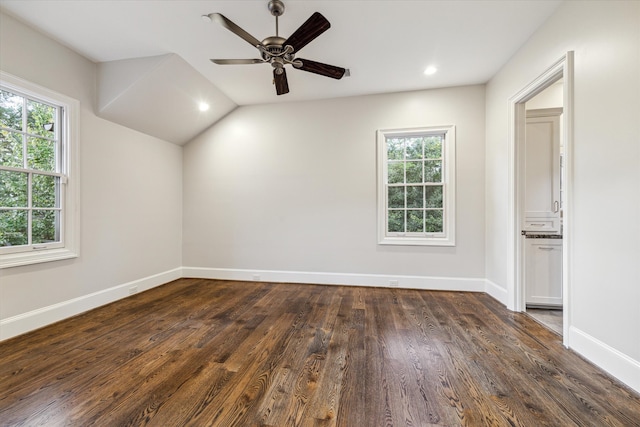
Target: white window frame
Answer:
pixel 447 236
pixel 69 245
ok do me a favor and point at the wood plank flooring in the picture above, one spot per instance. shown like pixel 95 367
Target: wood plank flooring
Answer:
pixel 219 353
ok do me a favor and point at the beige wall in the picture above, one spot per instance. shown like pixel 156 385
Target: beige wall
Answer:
pixel 604 299
pixel 131 193
pixel 292 187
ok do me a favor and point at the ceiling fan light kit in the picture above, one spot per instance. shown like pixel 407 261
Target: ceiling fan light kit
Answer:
pixel 278 51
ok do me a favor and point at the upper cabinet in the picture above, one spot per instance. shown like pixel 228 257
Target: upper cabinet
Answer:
pixel 542 175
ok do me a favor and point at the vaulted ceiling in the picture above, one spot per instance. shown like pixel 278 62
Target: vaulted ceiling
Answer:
pixel 386 45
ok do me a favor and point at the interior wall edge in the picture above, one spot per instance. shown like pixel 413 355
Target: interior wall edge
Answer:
pixel 496 291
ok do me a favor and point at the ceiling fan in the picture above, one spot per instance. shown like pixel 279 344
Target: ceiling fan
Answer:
pixel 278 51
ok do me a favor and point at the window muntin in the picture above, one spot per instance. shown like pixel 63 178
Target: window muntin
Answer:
pixel 38 219
pixel 416 190
pixel 414 184
pixel 30 172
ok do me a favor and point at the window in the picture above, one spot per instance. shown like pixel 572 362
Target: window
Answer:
pixel 416 186
pixel 38 188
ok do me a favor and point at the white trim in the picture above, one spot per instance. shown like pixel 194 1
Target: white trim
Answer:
pixel 496 291
pixel 25 322
pixel 448 236
pixel 350 279
pixel 567 203
pixel 563 68
pixel 607 358
pixel 70 169
pixel 36 256
pixel 517 116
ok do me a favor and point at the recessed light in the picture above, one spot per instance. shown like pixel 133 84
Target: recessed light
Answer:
pixel 203 106
pixel 430 70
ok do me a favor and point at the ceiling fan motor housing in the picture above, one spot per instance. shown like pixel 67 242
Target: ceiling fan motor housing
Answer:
pixel 274 51
pixel 273 45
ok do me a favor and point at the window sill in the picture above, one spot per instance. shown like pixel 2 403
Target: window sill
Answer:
pixel 417 241
pixel 35 257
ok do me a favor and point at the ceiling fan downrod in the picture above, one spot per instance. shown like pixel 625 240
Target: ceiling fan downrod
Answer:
pixel 276 7
pixel 273 51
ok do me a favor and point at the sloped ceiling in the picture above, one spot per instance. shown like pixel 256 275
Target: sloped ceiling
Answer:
pixel 159 96
pixel 386 44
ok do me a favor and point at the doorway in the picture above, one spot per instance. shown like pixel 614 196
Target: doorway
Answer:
pixel 558 77
pixel 542 228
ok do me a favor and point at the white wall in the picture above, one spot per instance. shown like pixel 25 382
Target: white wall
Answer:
pixel 131 194
pixel 604 300
pixel 292 188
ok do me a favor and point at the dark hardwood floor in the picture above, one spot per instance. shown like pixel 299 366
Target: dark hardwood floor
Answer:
pixel 219 353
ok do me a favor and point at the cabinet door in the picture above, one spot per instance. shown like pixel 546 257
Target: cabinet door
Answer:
pixel 543 272
pixel 542 171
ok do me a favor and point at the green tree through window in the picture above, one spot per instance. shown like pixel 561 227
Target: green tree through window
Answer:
pixel 30 174
pixel 415 189
pixel 416 186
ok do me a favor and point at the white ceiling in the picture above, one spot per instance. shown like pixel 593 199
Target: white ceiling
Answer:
pixel 385 44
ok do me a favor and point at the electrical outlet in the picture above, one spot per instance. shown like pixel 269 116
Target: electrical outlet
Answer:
pixel 256 277
pixel 133 290
pixel 393 283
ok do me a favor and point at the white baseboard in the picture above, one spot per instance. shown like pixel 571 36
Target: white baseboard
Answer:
pixel 375 280
pixel 25 322
pixel 618 364
pixel 497 292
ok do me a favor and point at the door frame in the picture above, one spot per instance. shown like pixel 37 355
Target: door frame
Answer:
pixel 561 69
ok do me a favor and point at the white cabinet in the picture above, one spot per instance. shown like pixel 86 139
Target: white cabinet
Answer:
pixel 542 171
pixel 543 272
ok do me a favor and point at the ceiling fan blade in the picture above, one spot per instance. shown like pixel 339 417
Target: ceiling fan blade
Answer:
pixel 312 28
pixel 320 68
pixel 231 26
pixel 280 80
pixel 236 61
